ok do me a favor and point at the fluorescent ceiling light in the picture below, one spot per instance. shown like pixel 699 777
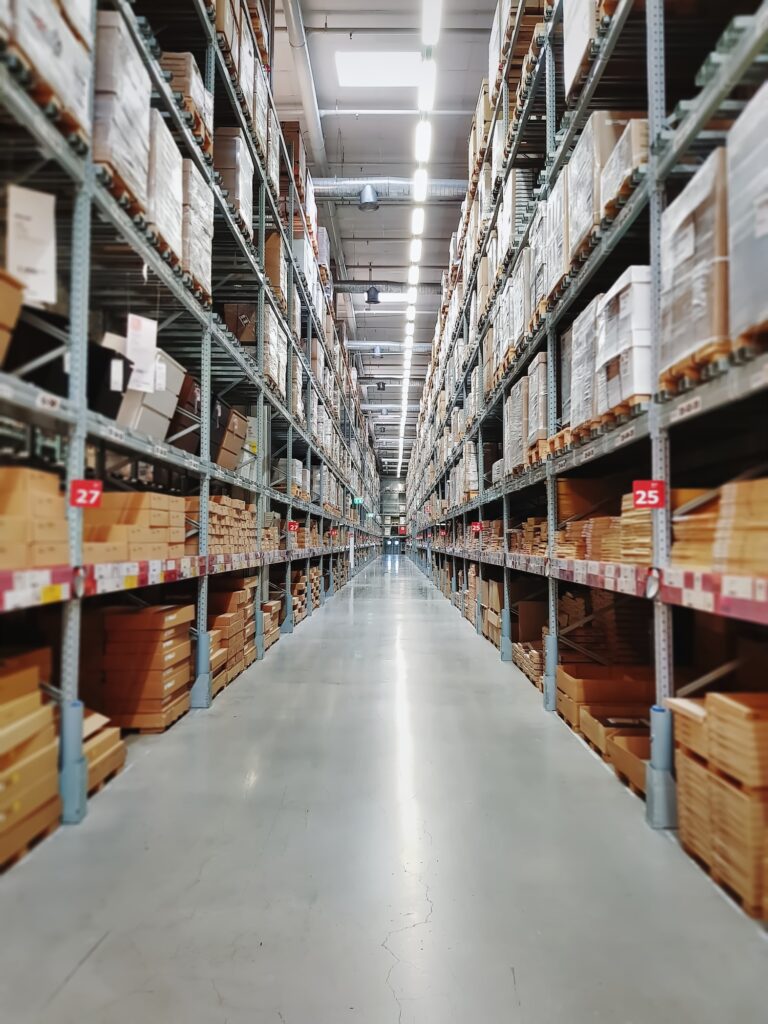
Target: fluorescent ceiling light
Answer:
pixel 410 296
pixel 417 221
pixel 431 16
pixel 422 142
pixel 410 314
pixel 413 274
pixel 427 85
pixel 392 297
pixel 371 69
pixel 408 343
pixel 415 250
pixel 420 184
pixel 409 332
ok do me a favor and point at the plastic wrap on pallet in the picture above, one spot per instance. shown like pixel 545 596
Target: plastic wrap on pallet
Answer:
pixel 557 255
pixel 564 378
pixel 164 183
pixel 247 63
pixel 273 151
pixel 233 162
pixel 494 46
pixel 623 346
pixel 537 400
pixel 227 27
pixel 748 216
pixel 518 424
pixel 121 105
pixel 579 33
pixel 78 15
pixel 187 80
pixel 583 340
pixel 601 134
pixel 538 253
pixel 197 225
pixel 57 55
pixel 520 298
pixel 485 194
pixel 629 153
pixel 260 105
pixel 694 265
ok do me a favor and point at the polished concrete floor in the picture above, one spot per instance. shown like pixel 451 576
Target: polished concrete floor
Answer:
pixel 378 823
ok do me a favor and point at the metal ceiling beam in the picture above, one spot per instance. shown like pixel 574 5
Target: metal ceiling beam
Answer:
pixel 388 112
pixel 388 190
pixel 363 346
pixel 360 287
pixel 370 407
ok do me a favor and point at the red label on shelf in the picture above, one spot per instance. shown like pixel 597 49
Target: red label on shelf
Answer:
pixel 402 530
pixel 334 531
pixel 293 526
pixel 85 493
pixel 649 493
pixel 442 533
pixel 476 527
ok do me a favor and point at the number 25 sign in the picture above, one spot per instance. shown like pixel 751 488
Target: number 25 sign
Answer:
pixel 85 493
pixel 649 493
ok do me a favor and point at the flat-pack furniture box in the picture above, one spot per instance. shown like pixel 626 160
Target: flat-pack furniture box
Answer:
pixel 197 226
pixel 164 184
pixel 233 162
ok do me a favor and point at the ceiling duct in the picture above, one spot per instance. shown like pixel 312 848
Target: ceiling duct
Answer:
pixel 368 198
pixel 361 287
pixel 372 295
pixel 386 190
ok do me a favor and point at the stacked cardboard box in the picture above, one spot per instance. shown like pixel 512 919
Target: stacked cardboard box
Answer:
pixel 232 611
pixel 33 519
pixel 134 527
pixel 273 151
pixel 103 748
pixel 231 525
pixel 629 153
pixel 260 106
pixel 491 604
pixel 233 162
pixel 538 405
pixel 583 347
pixel 187 80
pixel 314 584
pixel 121 115
pixel 623 346
pixel 272 613
pixel 722 777
pixel 218 660
pixel 308 536
pixel 299 594
pixel 197 226
pixel 29 755
pixel 470 594
pixel 240 319
pixel 228 430
pixel 530 538
pixel 741 533
pixel 164 184
pixel 275 352
pixel 137 664
pixel 149 411
pixel 270 532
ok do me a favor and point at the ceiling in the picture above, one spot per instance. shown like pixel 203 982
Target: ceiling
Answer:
pixel 362 140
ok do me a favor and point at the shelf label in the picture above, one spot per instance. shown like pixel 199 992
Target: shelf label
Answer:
pixel 401 531
pixel 587 454
pixel 155 571
pixel 624 437
pixel 737 586
pixel 701 600
pixel 687 408
pixel 293 526
pixel 579 572
pixel 649 493
pixel 85 493
pixel 476 527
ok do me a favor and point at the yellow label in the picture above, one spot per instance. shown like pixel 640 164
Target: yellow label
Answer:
pixel 130 581
pixel 50 592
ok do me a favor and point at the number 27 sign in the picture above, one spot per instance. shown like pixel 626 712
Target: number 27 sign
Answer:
pixel 85 493
pixel 649 493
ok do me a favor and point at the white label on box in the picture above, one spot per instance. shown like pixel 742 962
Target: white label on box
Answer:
pixel 141 349
pixel 593 568
pixel 161 374
pixel 737 586
pixel 155 571
pixel 628 578
pixel 761 590
pixel 761 215
pixel 30 243
pixel 702 600
pixel 579 572
pixel 116 382
pixel 674 578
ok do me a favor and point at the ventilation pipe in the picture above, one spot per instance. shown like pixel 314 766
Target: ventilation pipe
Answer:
pixel 361 287
pixel 365 191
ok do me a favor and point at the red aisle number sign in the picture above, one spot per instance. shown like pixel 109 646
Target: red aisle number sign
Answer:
pixel 649 493
pixel 402 531
pixel 442 533
pixel 293 526
pixel 85 493
pixel 334 531
pixel 476 527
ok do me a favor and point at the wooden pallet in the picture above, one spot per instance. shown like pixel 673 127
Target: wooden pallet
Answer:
pixel 537 453
pixel 106 768
pixel 633 406
pixel 704 363
pixel 625 780
pixel 271 638
pixel 585 248
pixel 27 833
pixel 560 441
pixel 116 186
pixel 171 257
pixel 46 98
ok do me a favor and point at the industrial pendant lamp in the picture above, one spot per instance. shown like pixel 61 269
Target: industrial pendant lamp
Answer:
pixel 372 295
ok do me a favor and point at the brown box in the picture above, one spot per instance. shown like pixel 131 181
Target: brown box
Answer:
pixel 156 617
pixel 738 735
pixel 11 297
pixel 598 722
pixel 30 494
pixel 240 318
pixel 602 684
pixel 19 683
pixel 690 723
pixel 126 688
pixel 629 755
pixel 229 623
pixel 161 657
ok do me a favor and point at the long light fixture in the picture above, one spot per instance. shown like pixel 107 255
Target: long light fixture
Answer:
pixel 417 220
pixel 427 85
pixel 431 18
pixel 420 180
pixel 409 332
pixel 413 275
pixel 415 250
pixel 410 295
pixel 410 314
pixel 422 142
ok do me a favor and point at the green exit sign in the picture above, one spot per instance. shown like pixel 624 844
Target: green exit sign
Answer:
pixel 357 501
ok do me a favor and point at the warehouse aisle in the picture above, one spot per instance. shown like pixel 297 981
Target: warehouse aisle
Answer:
pixel 376 824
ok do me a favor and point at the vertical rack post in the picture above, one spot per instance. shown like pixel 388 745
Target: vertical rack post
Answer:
pixel 661 809
pixel 506 613
pixel 73 779
pixel 200 696
pixel 287 626
pixel 262 439
pixel 551 644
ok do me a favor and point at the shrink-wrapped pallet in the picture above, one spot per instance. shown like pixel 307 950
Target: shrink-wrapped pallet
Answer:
pixel 590 155
pixel 565 379
pixel 273 151
pixel 247 63
pixel 297 391
pixel 583 340
pixel 518 425
pixel 629 153
pixel 748 216
pixel 538 255
pixel 197 225
pixel 121 106
pixel 187 80
pixel 623 344
pixel 233 162
pixel 164 184
pixel 579 33
pixel 557 253
pixel 260 106
pixel 272 360
pixel 537 400
pixel 694 267
pixel 520 298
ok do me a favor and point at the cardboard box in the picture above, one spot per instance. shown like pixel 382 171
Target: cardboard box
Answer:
pixel 30 493
pixel 602 684
pixel 162 656
pixel 629 754
pixel 125 688
pixel 155 617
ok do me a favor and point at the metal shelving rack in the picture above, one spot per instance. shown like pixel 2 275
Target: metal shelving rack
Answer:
pixel 640 216
pixel 141 280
